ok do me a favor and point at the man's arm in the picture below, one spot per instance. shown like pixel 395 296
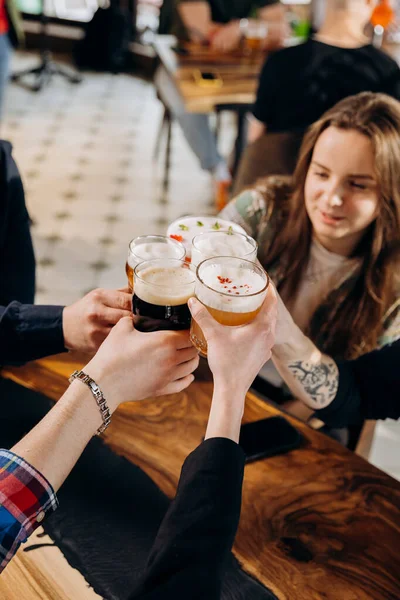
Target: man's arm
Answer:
pixel 196 17
pixel 272 12
pixel 129 366
pixel 29 332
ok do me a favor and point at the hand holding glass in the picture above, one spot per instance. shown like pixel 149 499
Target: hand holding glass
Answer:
pixel 232 289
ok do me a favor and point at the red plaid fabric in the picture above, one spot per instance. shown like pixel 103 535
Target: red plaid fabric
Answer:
pixel 25 499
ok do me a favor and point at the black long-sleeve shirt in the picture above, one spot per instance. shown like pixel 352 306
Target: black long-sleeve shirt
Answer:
pixel 195 538
pixel 29 332
pixel 17 259
pixel 369 387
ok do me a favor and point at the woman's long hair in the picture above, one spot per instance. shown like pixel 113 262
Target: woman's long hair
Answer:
pixel 353 324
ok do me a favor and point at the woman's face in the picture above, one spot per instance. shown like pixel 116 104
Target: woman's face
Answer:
pixel 341 191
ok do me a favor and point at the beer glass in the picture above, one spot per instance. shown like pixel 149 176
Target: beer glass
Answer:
pixel 223 243
pixel 161 291
pixel 146 247
pixel 255 34
pixel 232 289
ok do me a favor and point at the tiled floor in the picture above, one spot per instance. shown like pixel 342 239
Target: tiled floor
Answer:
pixel 85 154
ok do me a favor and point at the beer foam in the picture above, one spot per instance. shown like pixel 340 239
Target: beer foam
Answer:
pixel 165 286
pixel 232 288
pixel 222 244
pixel 185 229
pixel 150 250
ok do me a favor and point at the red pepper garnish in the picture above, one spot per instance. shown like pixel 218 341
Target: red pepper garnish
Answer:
pixel 178 238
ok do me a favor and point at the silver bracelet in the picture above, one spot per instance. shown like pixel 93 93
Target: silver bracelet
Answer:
pixel 98 396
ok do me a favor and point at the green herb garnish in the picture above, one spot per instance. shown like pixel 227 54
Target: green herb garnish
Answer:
pixel 200 224
pixel 230 230
pixel 183 227
pixel 216 226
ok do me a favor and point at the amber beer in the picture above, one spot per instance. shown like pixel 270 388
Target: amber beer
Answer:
pixel 147 247
pixel 162 289
pixel 232 289
pixel 255 34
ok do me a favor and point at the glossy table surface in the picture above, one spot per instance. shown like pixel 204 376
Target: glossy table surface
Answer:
pixel 318 522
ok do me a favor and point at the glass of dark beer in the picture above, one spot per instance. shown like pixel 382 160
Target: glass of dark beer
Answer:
pixel 161 291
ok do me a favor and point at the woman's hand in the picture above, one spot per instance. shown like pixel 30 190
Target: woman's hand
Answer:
pixel 131 365
pixel 236 354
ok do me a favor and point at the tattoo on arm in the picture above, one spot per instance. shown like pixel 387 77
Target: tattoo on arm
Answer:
pixel 319 381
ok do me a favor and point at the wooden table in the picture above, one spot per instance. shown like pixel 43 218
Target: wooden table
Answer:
pixel 239 75
pixel 317 523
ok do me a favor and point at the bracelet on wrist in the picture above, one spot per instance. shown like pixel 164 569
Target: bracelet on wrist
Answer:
pixel 98 396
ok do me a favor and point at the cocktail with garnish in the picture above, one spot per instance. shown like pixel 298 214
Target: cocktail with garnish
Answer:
pixel 185 229
pixel 232 289
pixel 223 243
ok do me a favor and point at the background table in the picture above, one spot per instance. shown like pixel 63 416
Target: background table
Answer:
pixel 239 75
pixel 319 522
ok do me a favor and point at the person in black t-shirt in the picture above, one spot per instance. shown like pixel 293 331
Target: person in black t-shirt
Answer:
pixel 297 85
pixel 218 21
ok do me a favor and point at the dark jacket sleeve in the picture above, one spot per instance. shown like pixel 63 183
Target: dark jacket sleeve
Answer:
pixel 369 388
pixel 29 332
pixel 17 259
pixel 195 538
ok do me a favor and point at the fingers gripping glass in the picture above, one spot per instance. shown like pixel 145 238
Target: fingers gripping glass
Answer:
pixel 232 289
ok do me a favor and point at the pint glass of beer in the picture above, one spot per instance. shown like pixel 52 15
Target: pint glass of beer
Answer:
pixel 255 34
pixel 223 243
pixel 232 289
pixel 147 247
pixel 162 288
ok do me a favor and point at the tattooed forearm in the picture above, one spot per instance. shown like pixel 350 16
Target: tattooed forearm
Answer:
pixel 319 381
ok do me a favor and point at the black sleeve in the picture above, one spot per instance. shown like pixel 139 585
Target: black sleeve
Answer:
pixel 29 332
pixel 264 106
pixel 368 387
pixel 195 538
pixel 264 3
pixel 392 84
pixel 17 259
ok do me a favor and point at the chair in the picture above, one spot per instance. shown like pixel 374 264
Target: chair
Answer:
pixel 271 154
pixel 165 129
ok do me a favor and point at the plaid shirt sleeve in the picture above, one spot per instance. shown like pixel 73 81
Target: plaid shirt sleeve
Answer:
pixel 25 499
